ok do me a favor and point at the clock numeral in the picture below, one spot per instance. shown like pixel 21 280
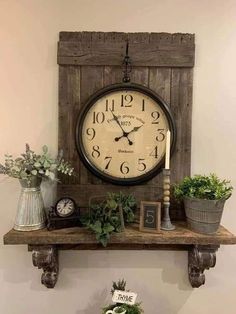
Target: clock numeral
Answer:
pixel 112 107
pixel 126 100
pixel 91 133
pixel 142 165
pixel 124 168
pixel 143 105
pixel 96 153
pixel 155 115
pixel 161 136
pixel 98 117
pixel 109 161
pixel 149 219
pixel 154 153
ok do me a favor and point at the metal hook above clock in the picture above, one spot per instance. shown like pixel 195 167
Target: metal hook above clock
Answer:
pixel 126 65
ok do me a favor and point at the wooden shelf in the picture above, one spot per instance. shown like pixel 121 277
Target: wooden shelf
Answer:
pixel 45 245
pixel 131 236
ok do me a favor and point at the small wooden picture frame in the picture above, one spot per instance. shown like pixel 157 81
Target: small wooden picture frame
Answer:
pixel 150 217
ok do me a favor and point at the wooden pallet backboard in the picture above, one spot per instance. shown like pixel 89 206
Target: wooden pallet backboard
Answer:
pixel 89 61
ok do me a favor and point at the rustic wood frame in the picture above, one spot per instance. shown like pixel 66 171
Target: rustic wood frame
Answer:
pixel 89 61
pixel 158 217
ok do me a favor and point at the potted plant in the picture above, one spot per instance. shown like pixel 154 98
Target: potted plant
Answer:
pixel 105 217
pixel 122 308
pixel 30 168
pixel 204 198
pixel 117 310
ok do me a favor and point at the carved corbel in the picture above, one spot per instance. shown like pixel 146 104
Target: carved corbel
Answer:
pixel 200 258
pixel 46 257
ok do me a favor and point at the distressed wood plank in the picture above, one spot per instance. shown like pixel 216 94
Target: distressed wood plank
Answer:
pixel 69 105
pixel 97 53
pixel 159 82
pixel 92 79
pixel 82 193
pixel 132 235
pixel 181 107
pixel 114 36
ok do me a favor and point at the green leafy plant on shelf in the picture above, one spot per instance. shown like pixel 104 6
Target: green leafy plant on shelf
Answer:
pixel 130 309
pixel 30 165
pixel 104 217
pixel 128 203
pixel 203 187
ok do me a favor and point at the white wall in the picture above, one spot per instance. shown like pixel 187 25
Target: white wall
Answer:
pixel 28 113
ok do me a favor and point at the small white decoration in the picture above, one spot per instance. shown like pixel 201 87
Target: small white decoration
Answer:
pixel 124 297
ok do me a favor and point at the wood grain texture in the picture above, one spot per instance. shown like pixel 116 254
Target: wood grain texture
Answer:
pixel 77 83
pixel 131 235
pixel 69 105
pixel 92 79
pixel 172 50
pixel 82 193
pixel 181 108
pixel 74 53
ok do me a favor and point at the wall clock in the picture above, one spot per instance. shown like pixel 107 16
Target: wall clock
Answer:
pixel 121 132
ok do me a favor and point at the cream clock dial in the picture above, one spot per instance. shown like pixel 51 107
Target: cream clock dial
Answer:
pixel 121 133
pixel 65 207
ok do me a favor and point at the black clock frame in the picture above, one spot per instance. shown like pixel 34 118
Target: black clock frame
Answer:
pixel 69 214
pixel 79 141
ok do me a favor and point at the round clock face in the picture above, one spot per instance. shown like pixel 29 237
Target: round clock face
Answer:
pixel 121 133
pixel 65 207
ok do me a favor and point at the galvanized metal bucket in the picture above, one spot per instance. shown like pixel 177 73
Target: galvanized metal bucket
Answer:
pixel 30 213
pixel 203 216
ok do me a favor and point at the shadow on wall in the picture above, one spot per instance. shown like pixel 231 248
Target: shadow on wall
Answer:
pixel 154 275
pixel 149 273
pixel 97 303
pixel 172 265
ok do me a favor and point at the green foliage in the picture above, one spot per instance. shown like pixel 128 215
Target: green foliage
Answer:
pixel 104 218
pixel 30 164
pixel 133 309
pixel 127 202
pixel 204 187
pixel 119 285
pixel 130 309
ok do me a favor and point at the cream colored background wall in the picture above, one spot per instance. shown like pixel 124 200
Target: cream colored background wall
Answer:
pixel 28 113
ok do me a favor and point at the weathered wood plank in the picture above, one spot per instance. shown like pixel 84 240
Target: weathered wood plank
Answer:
pixel 83 192
pixel 92 79
pixel 162 37
pixel 132 235
pixel 181 107
pixel 69 105
pixel 98 53
pixel 159 82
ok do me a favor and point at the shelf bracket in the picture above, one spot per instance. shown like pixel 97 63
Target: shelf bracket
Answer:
pixel 200 258
pixel 46 257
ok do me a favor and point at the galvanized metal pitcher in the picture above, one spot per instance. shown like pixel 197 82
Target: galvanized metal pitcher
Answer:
pixel 30 214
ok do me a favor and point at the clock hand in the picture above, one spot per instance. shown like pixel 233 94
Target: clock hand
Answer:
pixel 65 203
pixel 135 129
pixel 125 134
pixel 117 121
